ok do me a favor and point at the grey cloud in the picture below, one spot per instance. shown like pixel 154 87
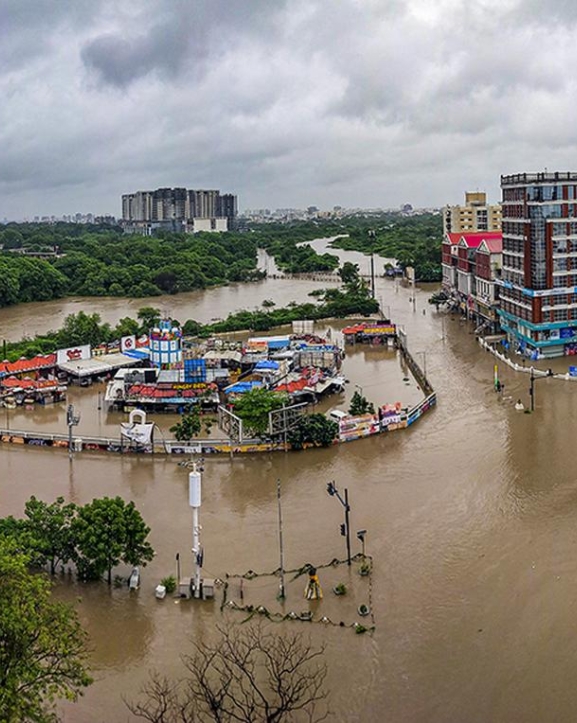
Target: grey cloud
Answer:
pixel 121 60
pixel 185 36
pixel 361 102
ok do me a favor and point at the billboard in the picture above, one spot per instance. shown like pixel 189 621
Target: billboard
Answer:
pixel 73 353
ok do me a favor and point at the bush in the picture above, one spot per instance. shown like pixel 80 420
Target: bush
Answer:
pixel 169 583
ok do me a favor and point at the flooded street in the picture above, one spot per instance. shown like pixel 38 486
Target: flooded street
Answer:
pixel 471 517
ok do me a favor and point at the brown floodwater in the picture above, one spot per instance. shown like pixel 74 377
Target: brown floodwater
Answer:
pixel 471 524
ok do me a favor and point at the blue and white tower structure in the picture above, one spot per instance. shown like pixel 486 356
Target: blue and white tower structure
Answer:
pixel 166 345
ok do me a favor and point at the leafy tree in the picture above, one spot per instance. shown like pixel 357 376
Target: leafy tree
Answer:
pixel 349 272
pixel 126 327
pixel 108 532
pixel 191 327
pixel 189 425
pixel 51 539
pixel 42 645
pixel 313 429
pixel 247 675
pixel 9 284
pixel 254 407
pixel 149 317
pixel 360 405
pixel 11 239
pixel 81 328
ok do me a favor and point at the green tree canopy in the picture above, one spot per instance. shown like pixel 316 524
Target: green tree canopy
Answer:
pixel 42 645
pixel 360 405
pixel 49 528
pixel 313 429
pixel 254 407
pixel 189 425
pixel 108 532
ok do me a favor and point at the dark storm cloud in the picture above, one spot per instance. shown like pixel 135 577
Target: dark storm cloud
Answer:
pixel 360 102
pixel 186 35
pixel 120 60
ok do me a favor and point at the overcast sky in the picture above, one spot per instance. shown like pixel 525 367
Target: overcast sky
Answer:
pixel 284 102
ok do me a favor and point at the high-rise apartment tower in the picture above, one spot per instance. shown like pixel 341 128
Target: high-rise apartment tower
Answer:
pixel 539 278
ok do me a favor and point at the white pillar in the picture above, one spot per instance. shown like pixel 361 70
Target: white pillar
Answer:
pixel 194 495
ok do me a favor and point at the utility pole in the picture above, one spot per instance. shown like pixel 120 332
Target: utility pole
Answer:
pixel 345 529
pixel 281 593
pixel 71 421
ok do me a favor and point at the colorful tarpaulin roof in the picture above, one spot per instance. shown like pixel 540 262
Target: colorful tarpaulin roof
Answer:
pixel 267 365
pixel 22 366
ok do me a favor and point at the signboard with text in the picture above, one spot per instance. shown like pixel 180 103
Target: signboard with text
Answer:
pixel 73 353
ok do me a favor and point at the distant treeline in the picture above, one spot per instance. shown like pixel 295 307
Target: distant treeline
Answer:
pixel 104 262
pixel 98 260
pixel 411 240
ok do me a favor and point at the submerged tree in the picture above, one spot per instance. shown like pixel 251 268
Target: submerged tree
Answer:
pixel 247 675
pixel 49 528
pixel 189 425
pixel 107 532
pixel 255 406
pixel 42 645
pixel 360 405
pixel 313 429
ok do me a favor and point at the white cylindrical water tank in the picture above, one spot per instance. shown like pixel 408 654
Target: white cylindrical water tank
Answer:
pixel 194 489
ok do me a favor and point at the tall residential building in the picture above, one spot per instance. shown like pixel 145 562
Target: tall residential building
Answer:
pixel 539 280
pixel 475 215
pixel 182 206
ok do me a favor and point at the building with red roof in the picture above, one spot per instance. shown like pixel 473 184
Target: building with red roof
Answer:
pixel 471 263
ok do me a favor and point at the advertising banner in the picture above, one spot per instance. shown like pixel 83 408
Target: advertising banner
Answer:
pixel 73 353
pixel 355 427
pixel 128 343
pixel 139 433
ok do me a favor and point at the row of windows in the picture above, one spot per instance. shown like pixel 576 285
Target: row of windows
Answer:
pixel 564 228
pixel 520 311
pixel 512 262
pixel 551 210
pixel 560 282
pixel 549 193
pixel 513 244
pixel 560 246
pixel 513 194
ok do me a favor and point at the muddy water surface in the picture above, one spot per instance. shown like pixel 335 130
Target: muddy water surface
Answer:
pixel 471 518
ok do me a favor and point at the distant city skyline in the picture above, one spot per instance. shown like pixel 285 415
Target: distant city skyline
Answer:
pixel 287 103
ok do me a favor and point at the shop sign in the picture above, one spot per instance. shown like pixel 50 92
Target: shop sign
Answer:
pixel 188 385
pixel 73 353
pixel 128 343
pixel 379 330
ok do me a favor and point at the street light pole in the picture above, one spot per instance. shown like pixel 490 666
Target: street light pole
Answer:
pixel 345 529
pixel 281 587
pixel 348 526
pixel 532 387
